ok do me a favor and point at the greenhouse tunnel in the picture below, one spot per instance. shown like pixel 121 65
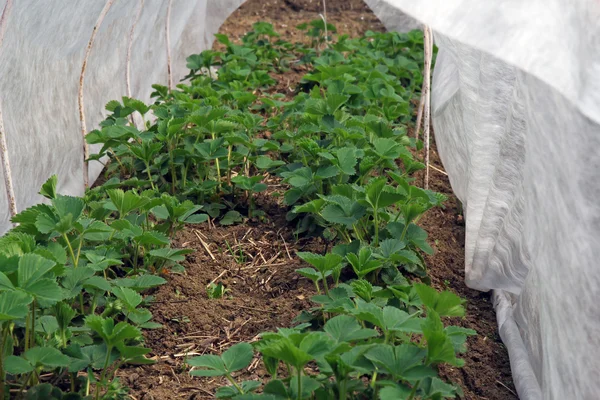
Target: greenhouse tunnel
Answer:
pixel 514 114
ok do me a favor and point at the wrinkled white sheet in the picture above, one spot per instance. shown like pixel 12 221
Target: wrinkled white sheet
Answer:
pixel 41 55
pixel 516 107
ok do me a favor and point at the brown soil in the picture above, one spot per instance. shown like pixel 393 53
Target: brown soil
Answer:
pixel 265 292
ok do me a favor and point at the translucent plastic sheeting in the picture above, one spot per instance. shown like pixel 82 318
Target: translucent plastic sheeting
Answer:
pixel 516 111
pixel 42 50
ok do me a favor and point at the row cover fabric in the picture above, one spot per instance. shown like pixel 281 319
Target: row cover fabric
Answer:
pixel 42 50
pixel 516 111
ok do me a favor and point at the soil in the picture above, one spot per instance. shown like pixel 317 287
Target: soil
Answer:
pixel 256 262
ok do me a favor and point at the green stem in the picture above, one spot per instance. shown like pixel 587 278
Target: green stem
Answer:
pixel 317 287
pixel 173 174
pixel 376 223
pixel 149 175
pixel 229 166
pixel 2 345
pixel 98 384
pixel 357 233
pixel 404 231
pixel 374 386
pixel 33 307
pixel 79 250
pixel 325 284
pixel 235 385
pixel 81 306
pixel 299 383
pixel 20 395
pixel 27 335
pixel 123 169
pixel 414 391
pixel 73 259
pixel 72 378
pixel 343 390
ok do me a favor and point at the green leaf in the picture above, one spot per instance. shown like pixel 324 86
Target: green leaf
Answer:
pixel 45 290
pixel 440 348
pixel 14 305
pixel 130 298
pixel 400 321
pixel 231 217
pixel 238 356
pixel 5 283
pixel 46 357
pixel 323 264
pixel 435 388
pixel 309 385
pixel 344 328
pixel 212 364
pixel 126 202
pixel 309 273
pixel 317 344
pixel 397 392
pixel 17 365
pixel 398 360
pixel 67 205
pixel 446 303
pixel 363 263
pixel 175 255
pixel 346 157
pixel 48 189
pixel 33 267
pixel 458 336
pixel 286 351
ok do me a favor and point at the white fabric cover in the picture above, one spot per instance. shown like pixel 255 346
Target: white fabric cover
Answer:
pixel 516 108
pixel 42 49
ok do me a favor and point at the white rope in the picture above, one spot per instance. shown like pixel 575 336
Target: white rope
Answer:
pixel 6 171
pixel 428 44
pixel 88 50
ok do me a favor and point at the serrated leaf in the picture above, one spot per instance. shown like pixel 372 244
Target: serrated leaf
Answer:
pixel 344 328
pixel 14 305
pixel 237 356
pixel 444 303
pixel 130 298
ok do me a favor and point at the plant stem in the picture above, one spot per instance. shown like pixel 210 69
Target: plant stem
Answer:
pixel 376 226
pixel 325 284
pixel 98 384
pixel 235 385
pixel 173 173
pixel 343 390
pixel 33 307
pixel 2 345
pixel 81 306
pixel 73 259
pixel 404 231
pixel 27 331
pixel 299 383
pixel 149 175
pixel 414 391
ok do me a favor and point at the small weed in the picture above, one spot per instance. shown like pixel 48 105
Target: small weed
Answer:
pixel 216 291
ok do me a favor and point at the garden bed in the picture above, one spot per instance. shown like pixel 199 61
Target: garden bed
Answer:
pixel 265 292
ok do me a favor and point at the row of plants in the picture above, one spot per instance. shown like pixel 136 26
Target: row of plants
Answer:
pixel 75 271
pixel 372 333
